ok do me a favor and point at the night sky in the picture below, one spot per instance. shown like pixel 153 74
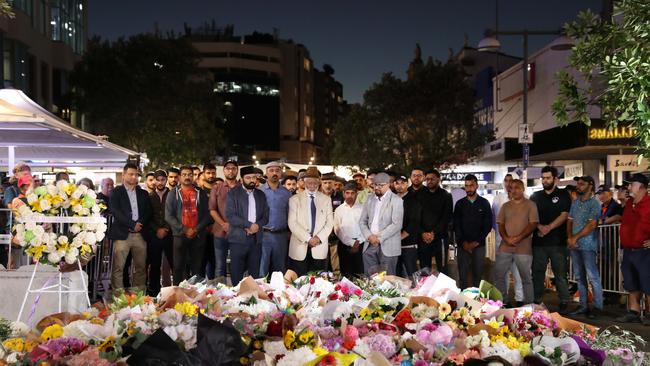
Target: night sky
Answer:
pixel 361 39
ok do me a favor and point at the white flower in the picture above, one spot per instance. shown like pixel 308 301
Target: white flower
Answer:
pixel 77 208
pixel 100 236
pixel 78 192
pixel 84 212
pixel 45 205
pixel 54 257
pixel 75 229
pixel 24 212
pixel 62 240
pixel 96 209
pixel 31 198
pixel 71 256
pixel 170 317
pixel 90 237
pixel 90 193
pixel 299 356
pixel 101 228
pixel 52 190
pixel 275 348
pixel 12 358
pixel 19 329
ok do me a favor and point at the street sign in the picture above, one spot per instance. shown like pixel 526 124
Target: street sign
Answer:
pixel 525 134
pixel 526 153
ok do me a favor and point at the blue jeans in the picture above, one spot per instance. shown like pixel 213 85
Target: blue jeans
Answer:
pixel 221 247
pixel 275 247
pixel 585 268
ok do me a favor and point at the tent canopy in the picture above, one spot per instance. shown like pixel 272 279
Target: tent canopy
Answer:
pixel 30 133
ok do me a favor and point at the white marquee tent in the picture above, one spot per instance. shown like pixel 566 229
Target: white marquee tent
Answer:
pixel 31 134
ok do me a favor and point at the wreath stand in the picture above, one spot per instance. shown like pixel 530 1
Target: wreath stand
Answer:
pixel 59 288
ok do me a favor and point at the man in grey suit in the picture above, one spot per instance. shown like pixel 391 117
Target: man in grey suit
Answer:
pixel 381 225
pixel 247 212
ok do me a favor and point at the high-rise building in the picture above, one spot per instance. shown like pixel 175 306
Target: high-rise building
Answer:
pixel 40 47
pixel 271 92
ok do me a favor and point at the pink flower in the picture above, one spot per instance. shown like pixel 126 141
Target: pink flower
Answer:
pixel 351 333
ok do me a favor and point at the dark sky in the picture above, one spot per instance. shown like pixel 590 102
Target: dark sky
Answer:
pixel 361 39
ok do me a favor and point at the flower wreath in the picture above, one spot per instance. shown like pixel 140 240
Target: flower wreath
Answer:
pixel 35 223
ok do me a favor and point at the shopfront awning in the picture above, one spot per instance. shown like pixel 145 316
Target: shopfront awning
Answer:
pixel 32 134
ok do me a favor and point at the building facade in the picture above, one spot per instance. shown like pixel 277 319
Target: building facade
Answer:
pixel 40 47
pixel 272 94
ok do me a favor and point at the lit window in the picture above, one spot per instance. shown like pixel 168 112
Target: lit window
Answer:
pixel 307 64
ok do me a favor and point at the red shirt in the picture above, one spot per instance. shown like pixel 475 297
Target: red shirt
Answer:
pixel 190 213
pixel 635 224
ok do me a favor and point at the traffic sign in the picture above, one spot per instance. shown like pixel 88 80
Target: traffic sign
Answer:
pixel 525 134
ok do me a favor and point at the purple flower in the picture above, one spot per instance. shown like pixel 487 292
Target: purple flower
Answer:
pixel 381 343
pixel 596 356
pixel 332 344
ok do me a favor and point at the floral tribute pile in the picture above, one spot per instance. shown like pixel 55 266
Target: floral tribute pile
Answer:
pixel 315 320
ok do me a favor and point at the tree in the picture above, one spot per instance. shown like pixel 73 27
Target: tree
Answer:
pixel 612 58
pixel 147 93
pixel 426 120
pixel 6 10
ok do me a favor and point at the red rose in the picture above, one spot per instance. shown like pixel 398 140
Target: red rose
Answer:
pixel 274 328
pixel 358 292
pixel 270 295
pixel 312 280
pixel 317 294
pixel 328 360
pixel 334 296
pixel 337 287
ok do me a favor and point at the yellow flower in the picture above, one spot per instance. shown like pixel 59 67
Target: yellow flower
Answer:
pixel 97 321
pixel 443 310
pixel 289 338
pixel 305 337
pixel 456 315
pixel 494 324
pixel 29 346
pixel 524 349
pixel 14 344
pixel 320 351
pixel 469 320
pixel 107 345
pixel 130 330
pixel 243 360
pixel 365 313
pixel 54 331
pixel 257 345
pixel 69 189
pixel 36 251
pixel 187 308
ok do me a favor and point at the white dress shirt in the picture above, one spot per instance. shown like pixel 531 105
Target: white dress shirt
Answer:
pixel 346 223
pixel 374 227
pixel 252 213
pixel 133 200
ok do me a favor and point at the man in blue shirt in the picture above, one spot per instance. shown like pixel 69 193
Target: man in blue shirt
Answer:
pixel 583 242
pixel 275 240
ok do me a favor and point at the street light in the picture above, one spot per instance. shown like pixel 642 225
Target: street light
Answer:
pixel 491 44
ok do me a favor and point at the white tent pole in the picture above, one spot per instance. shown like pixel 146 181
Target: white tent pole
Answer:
pixel 11 161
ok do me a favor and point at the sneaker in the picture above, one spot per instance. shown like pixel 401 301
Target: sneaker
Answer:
pixel 594 313
pixel 579 311
pixel 629 317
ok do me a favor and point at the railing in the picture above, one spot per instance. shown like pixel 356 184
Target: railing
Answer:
pixel 609 259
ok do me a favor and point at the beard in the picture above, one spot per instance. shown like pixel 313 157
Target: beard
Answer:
pixel 251 185
pixel 211 180
pixel 548 187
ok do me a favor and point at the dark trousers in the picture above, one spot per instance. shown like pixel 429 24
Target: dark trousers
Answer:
pixel 245 257
pixel 126 272
pixel 473 263
pixel 438 248
pixel 309 264
pixel 351 263
pixel 407 263
pixel 188 252
pixel 208 266
pixel 558 257
pixel 155 249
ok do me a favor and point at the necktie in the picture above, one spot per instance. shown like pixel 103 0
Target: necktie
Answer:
pixel 313 215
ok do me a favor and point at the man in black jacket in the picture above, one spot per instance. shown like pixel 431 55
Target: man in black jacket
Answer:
pixel 411 227
pixel 472 223
pixel 160 236
pixel 186 213
pixel 436 215
pixel 131 211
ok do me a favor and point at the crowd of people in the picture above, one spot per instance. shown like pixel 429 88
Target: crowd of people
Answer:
pixel 187 221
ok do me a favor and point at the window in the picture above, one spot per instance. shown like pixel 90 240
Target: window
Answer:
pixel 67 22
pixel 8 63
pixel 307 63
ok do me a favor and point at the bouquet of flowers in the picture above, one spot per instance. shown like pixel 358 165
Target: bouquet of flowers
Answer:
pixel 72 241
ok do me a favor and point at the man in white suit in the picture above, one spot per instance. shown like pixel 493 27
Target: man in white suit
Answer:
pixel 381 225
pixel 310 221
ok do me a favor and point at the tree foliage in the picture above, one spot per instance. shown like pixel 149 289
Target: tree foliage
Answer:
pixel 424 121
pixel 612 57
pixel 148 94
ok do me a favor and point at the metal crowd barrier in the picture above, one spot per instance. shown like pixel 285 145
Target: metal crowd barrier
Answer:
pixel 609 259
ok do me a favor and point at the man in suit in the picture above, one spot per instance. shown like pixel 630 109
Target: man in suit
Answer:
pixel 160 237
pixel 311 221
pixel 186 212
pixel 246 212
pixel 381 226
pixel 131 211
